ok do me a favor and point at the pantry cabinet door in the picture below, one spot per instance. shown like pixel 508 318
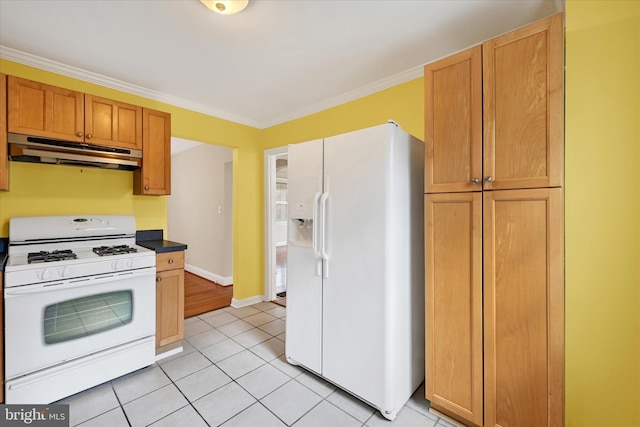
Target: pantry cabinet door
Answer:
pixel 523 107
pixel 453 123
pixel 42 110
pixel 113 123
pixel 523 307
pixel 453 304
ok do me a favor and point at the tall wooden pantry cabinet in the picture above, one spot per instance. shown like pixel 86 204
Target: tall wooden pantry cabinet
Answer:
pixel 494 230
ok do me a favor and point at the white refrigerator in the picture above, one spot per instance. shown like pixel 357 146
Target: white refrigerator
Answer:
pixel 355 263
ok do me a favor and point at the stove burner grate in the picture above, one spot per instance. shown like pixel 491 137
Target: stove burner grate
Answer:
pixel 114 250
pixel 46 256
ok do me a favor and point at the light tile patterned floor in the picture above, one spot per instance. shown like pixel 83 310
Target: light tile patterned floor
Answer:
pixel 233 373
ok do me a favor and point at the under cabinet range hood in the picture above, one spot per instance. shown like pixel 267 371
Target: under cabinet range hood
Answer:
pixel 33 149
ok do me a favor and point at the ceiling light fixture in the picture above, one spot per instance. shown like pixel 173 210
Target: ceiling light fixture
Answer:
pixel 225 7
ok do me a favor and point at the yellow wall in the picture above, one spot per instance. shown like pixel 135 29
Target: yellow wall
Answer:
pixel 602 196
pixel 602 213
pixel 602 201
pixel 403 103
pixel 60 190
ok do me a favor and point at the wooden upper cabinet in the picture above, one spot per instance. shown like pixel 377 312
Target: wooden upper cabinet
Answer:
pixel 154 177
pixel 48 111
pixel 523 107
pixel 453 123
pixel 112 123
pixel 495 113
pixel 42 110
pixel 523 308
pixel 4 161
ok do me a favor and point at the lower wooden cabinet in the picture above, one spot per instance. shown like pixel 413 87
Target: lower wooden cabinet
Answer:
pixel 494 306
pixel 453 310
pixel 169 298
pixel 523 307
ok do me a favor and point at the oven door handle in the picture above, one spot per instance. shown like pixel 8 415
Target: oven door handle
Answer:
pixel 75 283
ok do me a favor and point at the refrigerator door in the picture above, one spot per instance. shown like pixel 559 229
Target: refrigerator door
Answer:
pixel 304 265
pixel 354 296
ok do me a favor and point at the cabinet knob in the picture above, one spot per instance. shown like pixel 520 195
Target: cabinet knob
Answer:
pixel 171 261
pixel 474 181
pixel 488 179
pixel 89 136
pixel 158 279
pixel 146 187
pixel 79 134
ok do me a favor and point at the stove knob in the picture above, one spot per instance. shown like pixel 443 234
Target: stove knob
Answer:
pixel 130 262
pixel 64 272
pixel 43 274
pixel 114 265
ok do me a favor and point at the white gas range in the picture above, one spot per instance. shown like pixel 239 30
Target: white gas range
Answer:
pixel 79 305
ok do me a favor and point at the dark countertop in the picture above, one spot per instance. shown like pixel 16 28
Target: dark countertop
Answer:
pixel 154 240
pixel 162 245
pixel 3 251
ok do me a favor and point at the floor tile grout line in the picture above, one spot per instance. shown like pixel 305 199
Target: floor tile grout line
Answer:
pixel 189 403
pixel 232 380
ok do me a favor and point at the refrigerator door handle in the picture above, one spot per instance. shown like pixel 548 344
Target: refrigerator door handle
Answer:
pixel 323 249
pixel 315 240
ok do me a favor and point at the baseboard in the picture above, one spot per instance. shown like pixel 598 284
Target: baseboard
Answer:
pixel 220 280
pixel 239 303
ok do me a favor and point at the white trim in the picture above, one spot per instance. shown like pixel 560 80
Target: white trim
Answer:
pixel 220 280
pixel 88 76
pixel 386 83
pixel 269 213
pixel 239 303
pixel 169 353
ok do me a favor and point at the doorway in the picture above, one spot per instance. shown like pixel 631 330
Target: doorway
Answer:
pixel 276 214
pixel 199 213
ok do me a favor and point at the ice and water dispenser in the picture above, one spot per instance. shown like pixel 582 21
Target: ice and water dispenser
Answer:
pixel 301 223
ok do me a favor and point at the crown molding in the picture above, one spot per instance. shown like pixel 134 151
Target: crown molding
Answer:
pixel 370 89
pixel 90 77
pixel 98 79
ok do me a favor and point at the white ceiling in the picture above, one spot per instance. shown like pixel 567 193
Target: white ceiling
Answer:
pixel 275 61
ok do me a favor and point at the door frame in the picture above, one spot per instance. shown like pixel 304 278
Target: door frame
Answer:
pixel 270 157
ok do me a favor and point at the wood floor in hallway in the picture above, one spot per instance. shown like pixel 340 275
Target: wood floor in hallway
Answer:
pixel 202 295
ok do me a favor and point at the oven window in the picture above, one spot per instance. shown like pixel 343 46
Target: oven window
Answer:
pixel 77 318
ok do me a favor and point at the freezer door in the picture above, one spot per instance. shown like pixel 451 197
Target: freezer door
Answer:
pixel 304 265
pixel 354 312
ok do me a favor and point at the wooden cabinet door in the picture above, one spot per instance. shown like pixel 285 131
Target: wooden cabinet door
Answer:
pixel 42 110
pixel 169 306
pixel 4 161
pixel 523 107
pixel 154 177
pixel 453 304
pixel 453 123
pixel 112 123
pixel 523 308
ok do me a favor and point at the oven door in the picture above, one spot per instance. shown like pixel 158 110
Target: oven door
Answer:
pixel 47 324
